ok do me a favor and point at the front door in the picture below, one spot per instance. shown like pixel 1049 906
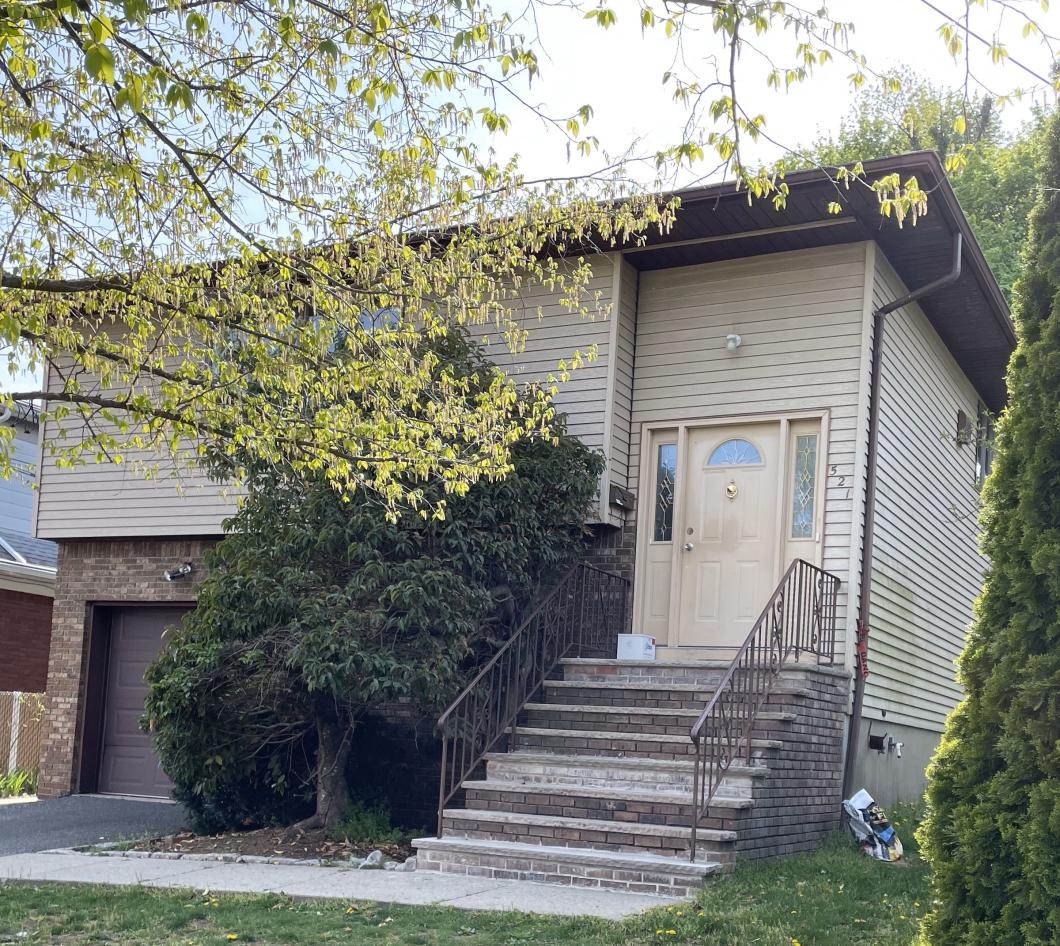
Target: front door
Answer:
pixel 727 541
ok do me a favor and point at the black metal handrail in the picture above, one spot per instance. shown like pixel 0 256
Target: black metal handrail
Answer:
pixel 799 619
pixel 584 611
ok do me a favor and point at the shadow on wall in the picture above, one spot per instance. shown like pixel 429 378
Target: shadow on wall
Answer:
pixel 398 762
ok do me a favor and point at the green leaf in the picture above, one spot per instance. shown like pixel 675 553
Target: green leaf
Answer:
pixel 99 63
pixel 196 23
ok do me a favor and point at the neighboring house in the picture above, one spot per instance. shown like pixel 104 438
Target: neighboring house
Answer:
pixel 27 567
pixel 732 397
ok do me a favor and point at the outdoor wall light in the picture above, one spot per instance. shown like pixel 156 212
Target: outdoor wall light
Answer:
pixel 173 574
pixel 732 342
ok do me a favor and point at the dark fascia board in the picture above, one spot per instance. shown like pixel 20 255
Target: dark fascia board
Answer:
pixel 927 167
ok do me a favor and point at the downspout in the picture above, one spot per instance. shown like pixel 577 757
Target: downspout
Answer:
pixel 869 529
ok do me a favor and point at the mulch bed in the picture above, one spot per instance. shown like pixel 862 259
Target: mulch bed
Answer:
pixel 273 842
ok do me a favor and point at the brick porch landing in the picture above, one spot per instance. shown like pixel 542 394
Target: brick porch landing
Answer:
pixel 594 788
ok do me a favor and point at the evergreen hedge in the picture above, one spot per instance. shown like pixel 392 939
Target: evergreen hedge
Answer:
pixel 993 828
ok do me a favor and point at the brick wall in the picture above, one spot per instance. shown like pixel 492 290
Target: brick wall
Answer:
pixel 800 803
pixel 615 550
pixel 92 571
pixel 25 633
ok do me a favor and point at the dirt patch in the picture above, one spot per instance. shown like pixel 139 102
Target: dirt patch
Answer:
pixel 273 842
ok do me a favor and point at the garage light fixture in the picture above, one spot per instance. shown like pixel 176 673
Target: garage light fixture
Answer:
pixel 175 574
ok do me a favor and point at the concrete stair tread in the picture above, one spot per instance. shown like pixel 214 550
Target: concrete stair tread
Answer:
pixel 587 857
pixel 640 762
pixel 617 734
pixel 690 714
pixel 586 824
pixel 592 791
pixel 612 662
pixel 662 687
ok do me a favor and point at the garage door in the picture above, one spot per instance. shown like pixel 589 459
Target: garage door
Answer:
pixel 129 765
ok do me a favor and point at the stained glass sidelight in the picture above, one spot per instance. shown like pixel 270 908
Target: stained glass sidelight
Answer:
pixel 734 453
pixel 665 478
pixel 805 486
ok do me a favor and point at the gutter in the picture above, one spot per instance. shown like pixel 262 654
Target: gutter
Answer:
pixel 29 579
pixel 869 528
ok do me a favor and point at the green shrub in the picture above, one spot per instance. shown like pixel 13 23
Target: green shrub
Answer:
pixel 993 828
pixel 366 824
pixel 319 608
pixel 18 782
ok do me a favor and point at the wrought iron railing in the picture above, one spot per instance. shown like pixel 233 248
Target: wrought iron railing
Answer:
pixel 799 620
pixel 583 612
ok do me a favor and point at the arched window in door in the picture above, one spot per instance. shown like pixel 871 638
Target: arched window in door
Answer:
pixel 735 452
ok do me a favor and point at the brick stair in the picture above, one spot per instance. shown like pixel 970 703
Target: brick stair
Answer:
pixel 595 786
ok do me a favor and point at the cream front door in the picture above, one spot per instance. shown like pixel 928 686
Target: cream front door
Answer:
pixel 727 542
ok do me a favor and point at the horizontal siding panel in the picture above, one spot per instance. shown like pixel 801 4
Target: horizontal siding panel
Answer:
pixel 800 315
pixel 109 500
pixel 927 569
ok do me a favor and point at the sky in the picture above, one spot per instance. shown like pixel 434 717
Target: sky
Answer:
pixel 619 72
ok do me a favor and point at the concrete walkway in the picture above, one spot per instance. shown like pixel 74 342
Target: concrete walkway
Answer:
pixel 416 887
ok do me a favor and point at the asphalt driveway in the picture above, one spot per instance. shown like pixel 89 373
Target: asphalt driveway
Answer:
pixel 83 819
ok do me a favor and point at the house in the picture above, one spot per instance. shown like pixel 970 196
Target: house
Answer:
pixel 27 567
pixel 749 422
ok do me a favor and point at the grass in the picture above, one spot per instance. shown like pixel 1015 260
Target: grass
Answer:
pixel 18 782
pixel 836 897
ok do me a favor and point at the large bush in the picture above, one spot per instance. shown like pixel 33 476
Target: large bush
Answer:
pixel 993 831
pixel 318 607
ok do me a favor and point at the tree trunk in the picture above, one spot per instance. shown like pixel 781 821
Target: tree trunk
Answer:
pixel 334 741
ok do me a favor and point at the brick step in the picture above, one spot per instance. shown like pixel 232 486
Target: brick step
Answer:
pixel 589 801
pixel 618 743
pixel 632 772
pixel 595 833
pixel 577 867
pixel 646 719
pixel 665 695
pixel 704 672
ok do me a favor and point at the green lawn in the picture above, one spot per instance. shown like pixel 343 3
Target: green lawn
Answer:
pixel 836 897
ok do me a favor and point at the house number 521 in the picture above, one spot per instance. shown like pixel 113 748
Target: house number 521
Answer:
pixel 838 479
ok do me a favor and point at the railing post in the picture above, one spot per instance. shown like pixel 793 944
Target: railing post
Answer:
pixel 695 797
pixel 443 782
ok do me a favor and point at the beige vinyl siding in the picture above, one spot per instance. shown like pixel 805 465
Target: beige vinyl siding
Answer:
pixel 146 495
pixel 801 316
pixel 622 399
pixel 927 569
pixel 110 500
pixel 554 333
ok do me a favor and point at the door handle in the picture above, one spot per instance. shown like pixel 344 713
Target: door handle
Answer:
pixel 688 546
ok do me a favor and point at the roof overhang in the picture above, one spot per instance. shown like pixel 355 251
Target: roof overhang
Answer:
pixel 27 579
pixel 971 316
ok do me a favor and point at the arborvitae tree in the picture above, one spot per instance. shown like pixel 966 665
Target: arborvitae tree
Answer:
pixel 993 831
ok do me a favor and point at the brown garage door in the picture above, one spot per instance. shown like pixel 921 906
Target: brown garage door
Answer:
pixel 129 765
